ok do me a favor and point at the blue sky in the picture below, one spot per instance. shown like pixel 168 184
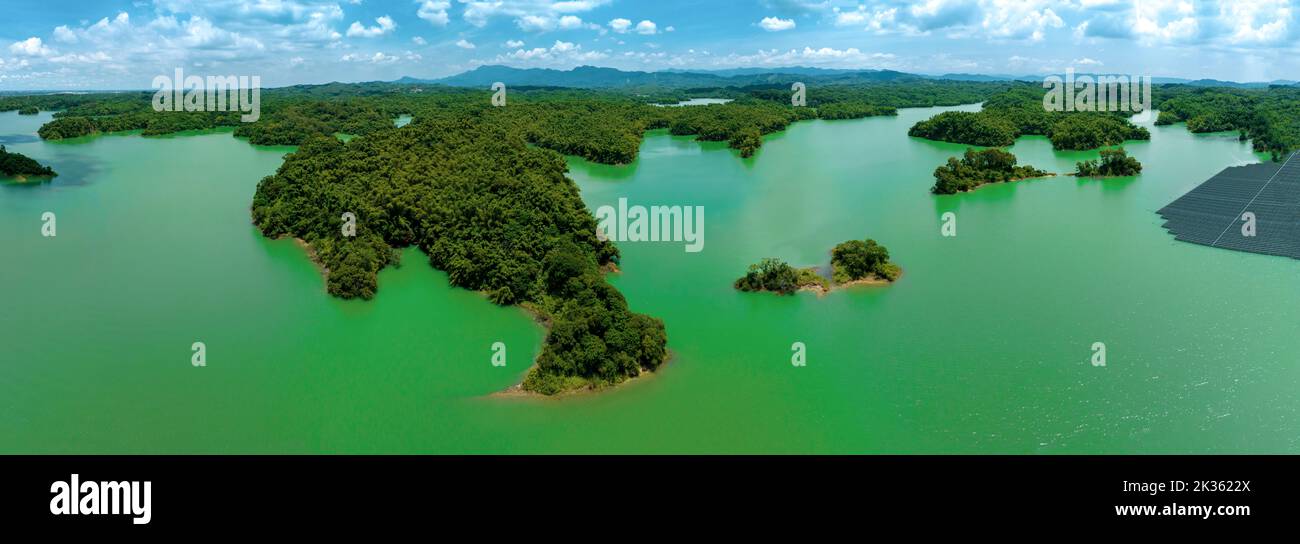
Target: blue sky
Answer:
pixel 113 44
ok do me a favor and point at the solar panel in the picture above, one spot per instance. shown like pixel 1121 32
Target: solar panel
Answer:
pixel 1212 213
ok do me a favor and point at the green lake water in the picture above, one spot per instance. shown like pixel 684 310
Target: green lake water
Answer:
pixel 982 346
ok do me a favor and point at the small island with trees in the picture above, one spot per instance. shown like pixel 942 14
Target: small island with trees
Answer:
pixel 1114 163
pixel 28 110
pixel 978 168
pixel 777 276
pixel 21 167
pixel 855 262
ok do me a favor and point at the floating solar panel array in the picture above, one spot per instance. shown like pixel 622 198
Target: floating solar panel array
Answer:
pixel 1215 212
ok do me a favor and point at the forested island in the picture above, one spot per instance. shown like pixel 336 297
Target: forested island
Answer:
pixel 853 262
pixel 1113 163
pixel 1269 117
pixel 777 276
pixel 862 261
pixel 28 110
pixel 1018 112
pixel 19 166
pixel 978 168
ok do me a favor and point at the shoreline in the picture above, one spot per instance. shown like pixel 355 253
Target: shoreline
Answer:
pixel 27 178
pixel 822 291
pixel 313 257
pixel 517 390
pixel 977 187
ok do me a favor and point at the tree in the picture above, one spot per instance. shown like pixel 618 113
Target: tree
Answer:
pixel 1114 162
pixel 977 168
pixel 858 259
pixel 17 164
pixel 770 274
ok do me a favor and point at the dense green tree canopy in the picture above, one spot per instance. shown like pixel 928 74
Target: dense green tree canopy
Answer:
pixel 17 164
pixel 1019 111
pixel 977 168
pixel 1270 117
pixel 770 274
pixel 1114 162
pixel 862 259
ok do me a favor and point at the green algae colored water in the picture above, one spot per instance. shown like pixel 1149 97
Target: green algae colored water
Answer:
pixel 983 346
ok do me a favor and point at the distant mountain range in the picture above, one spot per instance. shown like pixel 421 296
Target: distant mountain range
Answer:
pixel 598 78
pixel 592 77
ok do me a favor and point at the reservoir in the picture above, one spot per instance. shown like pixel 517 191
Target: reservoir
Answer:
pixel 983 345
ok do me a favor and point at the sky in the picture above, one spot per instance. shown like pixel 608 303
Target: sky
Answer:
pixel 124 44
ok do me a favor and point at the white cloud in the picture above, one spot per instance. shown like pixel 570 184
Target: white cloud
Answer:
pixel 560 53
pixel 569 22
pixel 547 23
pixel 63 34
pixel 200 33
pixel 1164 21
pixel 1019 19
pixel 776 24
pixel 464 44
pixel 419 40
pixel 1085 61
pixel 434 11
pixel 378 58
pixel 620 25
pixel 31 47
pixel 879 21
pixel 824 56
pixel 96 57
pixel 530 23
pixel 1256 21
pixel 385 25
pixel 647 28
pixel 514 44
pixel 479 12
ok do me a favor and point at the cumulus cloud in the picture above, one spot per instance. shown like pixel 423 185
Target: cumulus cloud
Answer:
pixel 385 25
pixel 822 56
pixel 31 47
pixel 1256 21
pixel 1019 19
pixel 96 57
pixel 776 24
pixel 1162 21
pixel 559 53
pixel 464 44
pixel 620 25
pixel 647 28
pixel 533 13
pixel 378 58
pixel 434 11
pixel 63 34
